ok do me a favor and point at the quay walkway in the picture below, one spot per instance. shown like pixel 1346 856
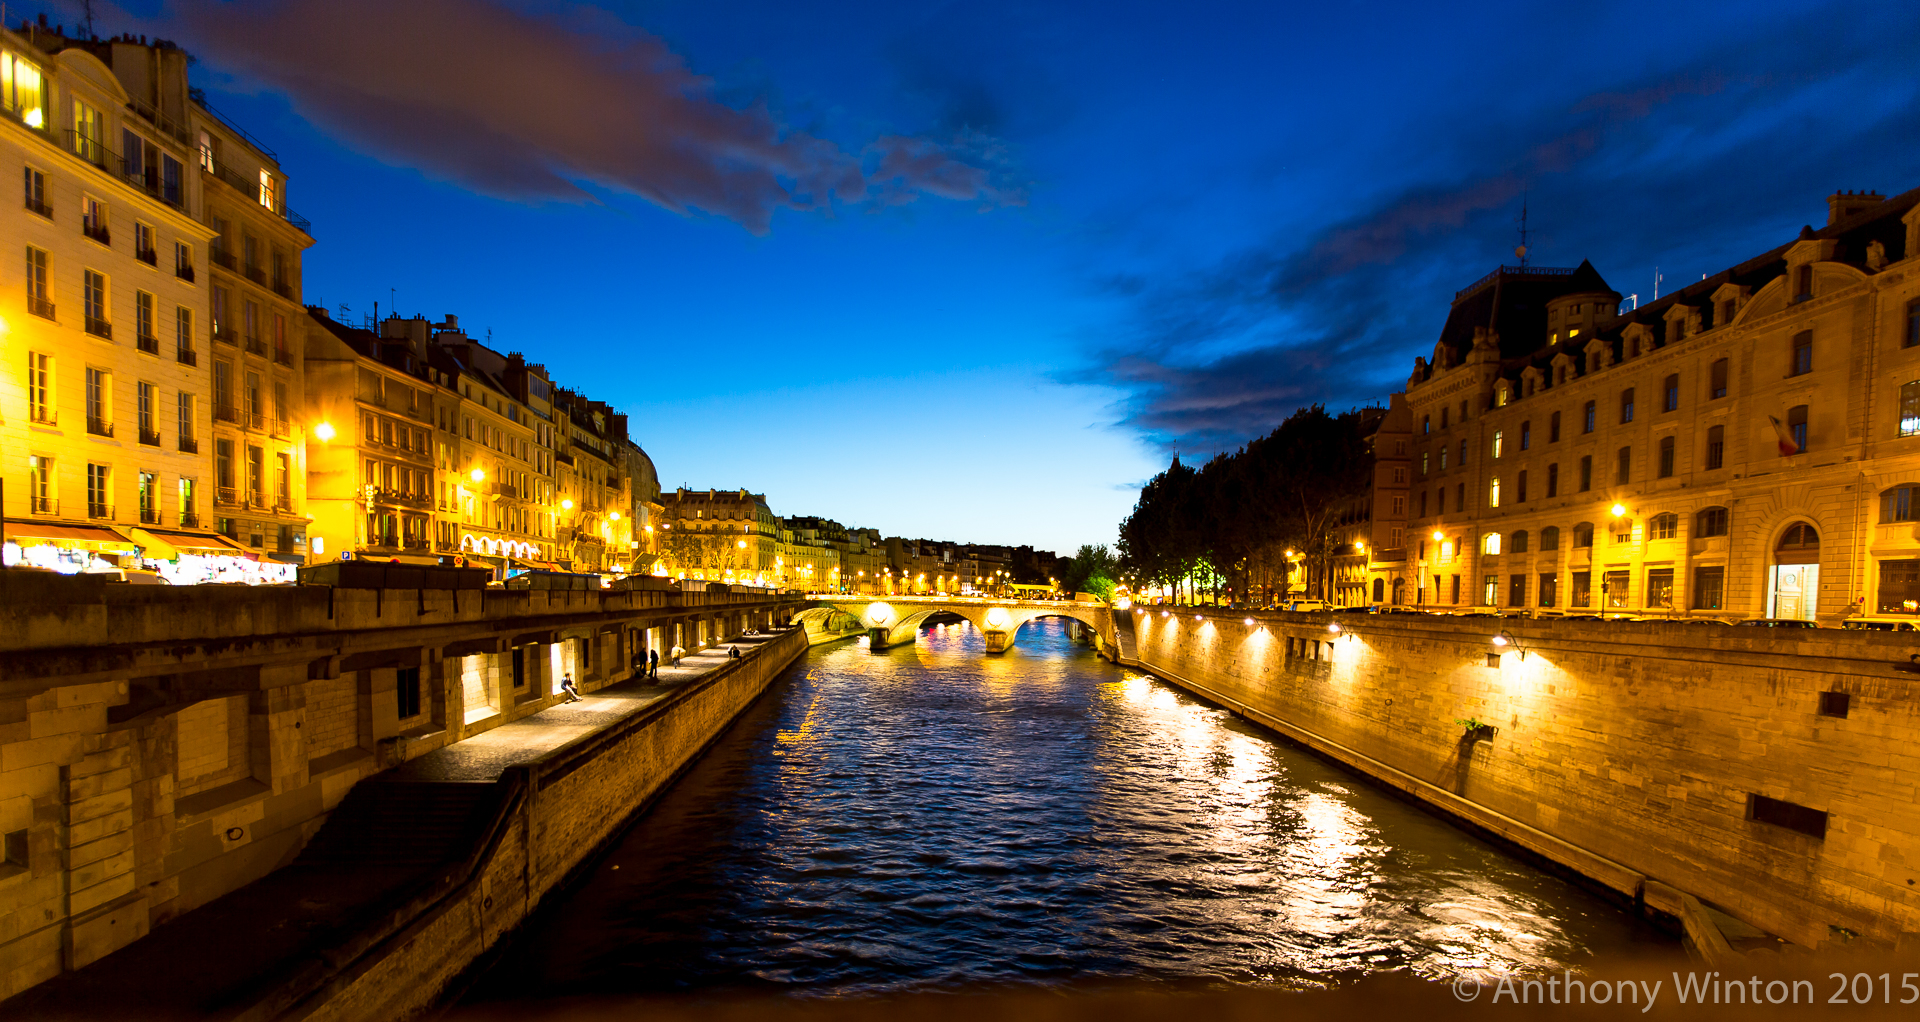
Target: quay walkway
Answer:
pixel 394 845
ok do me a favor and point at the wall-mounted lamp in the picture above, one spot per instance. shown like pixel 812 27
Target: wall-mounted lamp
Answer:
pixel 1618 510
pixel 1334 628
pixel 1438 535
pixel 1506 641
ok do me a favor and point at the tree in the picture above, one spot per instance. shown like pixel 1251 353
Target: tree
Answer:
pixel 1091 570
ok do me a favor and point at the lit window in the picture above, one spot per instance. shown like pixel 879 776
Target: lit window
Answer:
pixel 1493 492
pixel 1499 438
pixel 1490 543
pixel 267 198
pixel 23 91
pixel 1910 409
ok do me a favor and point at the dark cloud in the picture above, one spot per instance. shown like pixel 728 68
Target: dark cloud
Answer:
pixel 1693 170
pixel 529 106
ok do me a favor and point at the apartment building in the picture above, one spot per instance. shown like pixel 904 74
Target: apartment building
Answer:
pixel 110 391
pixel 596 531
pixel 720 536
pixel 1747 446
pixel 1367 563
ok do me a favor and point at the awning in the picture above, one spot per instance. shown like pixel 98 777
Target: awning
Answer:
pixel 536 565
pixel 199 543
pixel 77 537
pixel 153 546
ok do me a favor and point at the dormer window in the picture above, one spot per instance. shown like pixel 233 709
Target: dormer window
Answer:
pixel 1803 282
pixel 1726 311
pixel 23 91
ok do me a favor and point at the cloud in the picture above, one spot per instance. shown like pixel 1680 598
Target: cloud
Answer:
pixel 1693 168
pixel 529 106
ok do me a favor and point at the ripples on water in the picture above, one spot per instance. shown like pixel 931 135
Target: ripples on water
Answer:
pixel 932 817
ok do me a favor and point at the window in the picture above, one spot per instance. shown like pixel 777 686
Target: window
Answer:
pixel 256 407
pixel 183 334
pixel 1910 409
pixel 1898 505
pixel 1582 595
pixel 1717 379
pixel 1553 480
pixel 36 193
pixel 40 388
pixel 170 180
pixel 1423 464
pixel 39 302
pixel 1517 543
pixel 406 691
pixel 1499 439
pixel 149 497
pixel 1460 497
pixel 1716 446
pixel 1797 426
pixel 1426 424
pixel 145 392
pixel 1588 420
pixel 99 491
pixel 1463 451
pixel 1666 457
pixel 93 301
pixel 1803 282
pixel 1583 536
pixel 1900 587
pixel 1626 406
pixel 1548 588
pixel 1443 457
pixel 1549 538
pixel 1802 354
pixel 1670 394
pixel 1490 543
pixel 1761 809
pixel 1553 428
pixel 1710 522
pixel 1620 531
pixel 1660 588
pixel 183 261
pixel 1664 525
pixel 1616 588
pixel 143 322
pixel 1490 591
pixel 186 422
pixel 87 134
pixel 1493 492
pixel 1423 503
pixel 40 485
pixel 267 191
pixel 223 468
pixel 1586 473
pixel 1520 487
pixel 99 402
pixel 93 220
pixel 1913 324
pixel 23 92
pixel 1443 418
pixel 283 479
pixel 143 248
pixel 1526 435
pixel 256 474
pixel 1709 587
pixel 1834 704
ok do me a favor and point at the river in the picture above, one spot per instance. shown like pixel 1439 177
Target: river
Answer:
pixel 935 818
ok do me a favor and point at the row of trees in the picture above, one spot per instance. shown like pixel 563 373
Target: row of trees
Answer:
pixel 1223 530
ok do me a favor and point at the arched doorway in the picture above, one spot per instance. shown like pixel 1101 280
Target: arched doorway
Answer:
pixel 1399 591
pixel 1793 582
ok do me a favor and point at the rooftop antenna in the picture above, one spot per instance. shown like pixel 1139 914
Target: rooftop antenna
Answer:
pixel 87 8
pixel 1657 278
pixel 1636 300
pixel 1521 249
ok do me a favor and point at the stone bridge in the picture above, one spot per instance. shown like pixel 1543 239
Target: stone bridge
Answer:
pixel 896 620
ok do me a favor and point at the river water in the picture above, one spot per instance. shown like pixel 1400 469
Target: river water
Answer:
pixel 934 818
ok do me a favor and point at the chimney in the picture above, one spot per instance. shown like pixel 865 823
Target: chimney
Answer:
pixel 1841 205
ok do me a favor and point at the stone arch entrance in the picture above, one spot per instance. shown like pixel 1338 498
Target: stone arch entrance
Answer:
pixel 1793 576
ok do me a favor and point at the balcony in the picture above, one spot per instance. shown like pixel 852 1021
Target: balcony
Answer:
pixel 41 208
pixel 147 255
pixel 43 506
pixel 91 149
pixel 43 416
pixel 222 258
pixel 417 546
pixel 186 356
pixel 149 516
pixel 282 428
pixel 257 275
pixel 283 356
pixel 184 272
pixel 149 438
pixel 40 307
pixel 100 328
pixel 283 503
pixel 257 421
pixel 189 520
pixel 189 445
pixel 255 346
pixel 283 289
pixel 97 231
pixel 99 427
pixel 224 333
pixel 99 512
pixel 226 413
pixel 150 345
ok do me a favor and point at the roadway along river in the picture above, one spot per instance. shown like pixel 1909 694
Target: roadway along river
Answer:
pixel 934 818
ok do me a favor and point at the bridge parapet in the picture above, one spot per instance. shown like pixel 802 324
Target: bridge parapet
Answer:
pixel 896 620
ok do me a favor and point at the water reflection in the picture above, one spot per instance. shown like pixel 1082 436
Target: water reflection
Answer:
pixel 930 817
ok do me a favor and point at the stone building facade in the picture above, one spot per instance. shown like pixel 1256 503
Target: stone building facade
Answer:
pixel 720 536
pixel 1744 447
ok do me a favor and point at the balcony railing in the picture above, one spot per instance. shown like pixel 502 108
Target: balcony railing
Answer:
pixel 148 256
pixel 224 333
pixel 41 208
pixel 189 520
pixel 43 415
pixel 43 505
pixel 99 427
pixel 189 445
pixel 91 150
pixel 97 231
pixel 186 356
pixel 283 356
pixel 259 500
pixel 282 427
pixel 283 502
pixel 149 516
pixel 283 289
pixel 100 328
pixel 226 495
pixel 184 272
pixel 99 511
pixel 255 346
pixel 40 306
pixel 222 258
pixel 150 345
pixel 150 438
pixel 256 420
pixel 257 275
pixel 419 546
pixel 226 413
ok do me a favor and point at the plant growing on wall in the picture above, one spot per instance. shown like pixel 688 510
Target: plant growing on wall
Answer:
pixel 1476 729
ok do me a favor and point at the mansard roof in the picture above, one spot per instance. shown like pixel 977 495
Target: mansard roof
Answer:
pixel 1512 302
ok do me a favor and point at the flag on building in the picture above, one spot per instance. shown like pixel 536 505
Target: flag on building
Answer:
pixel 1787 444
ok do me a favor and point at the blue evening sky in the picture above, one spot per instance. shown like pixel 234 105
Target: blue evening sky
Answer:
pixel 971 270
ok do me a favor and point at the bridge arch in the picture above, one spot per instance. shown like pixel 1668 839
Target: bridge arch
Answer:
pixel 893 621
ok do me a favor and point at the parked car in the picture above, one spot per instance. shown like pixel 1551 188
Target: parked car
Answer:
pixel 137 576
pixel 1777 622
pixel 1304 606
pixel 1882 624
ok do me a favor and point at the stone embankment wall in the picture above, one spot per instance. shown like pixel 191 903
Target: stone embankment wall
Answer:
pixel 563 807
pixel 1772 773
